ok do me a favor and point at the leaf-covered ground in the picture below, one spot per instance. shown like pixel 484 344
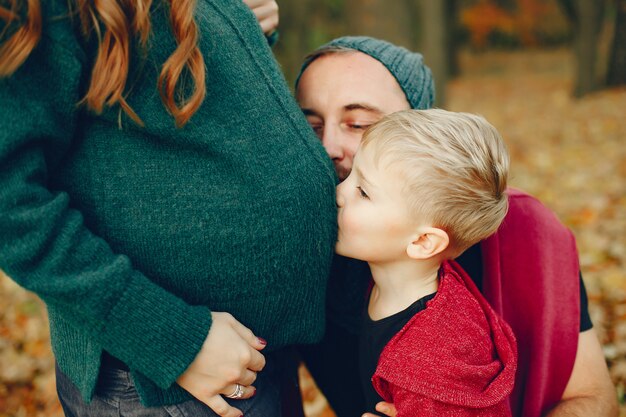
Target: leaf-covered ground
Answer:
pixel 569 153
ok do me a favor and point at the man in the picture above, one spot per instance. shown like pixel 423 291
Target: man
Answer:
pixel 530 278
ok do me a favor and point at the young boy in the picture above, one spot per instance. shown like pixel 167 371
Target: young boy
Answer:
pixel 426 185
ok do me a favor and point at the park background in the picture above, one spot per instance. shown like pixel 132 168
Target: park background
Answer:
pixel 549 75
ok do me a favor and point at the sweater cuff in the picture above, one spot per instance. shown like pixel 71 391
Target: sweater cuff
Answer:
pixel 155 332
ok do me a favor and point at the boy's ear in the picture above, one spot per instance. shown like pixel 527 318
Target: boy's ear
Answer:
pixel 429 242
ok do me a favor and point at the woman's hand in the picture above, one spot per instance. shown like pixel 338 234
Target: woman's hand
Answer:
pixel 229 356
pixel 387 409
pixel 266 12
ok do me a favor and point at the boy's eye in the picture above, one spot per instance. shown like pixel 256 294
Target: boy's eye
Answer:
pixel 362 193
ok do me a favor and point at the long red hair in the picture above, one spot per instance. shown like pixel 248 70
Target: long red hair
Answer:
pixel 116 23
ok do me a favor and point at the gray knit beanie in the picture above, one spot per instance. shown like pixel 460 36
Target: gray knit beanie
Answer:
pixel 407 67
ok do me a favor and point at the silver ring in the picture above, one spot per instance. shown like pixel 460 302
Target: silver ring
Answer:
pixel 237 393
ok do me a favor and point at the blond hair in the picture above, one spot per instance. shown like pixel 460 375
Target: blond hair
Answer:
pixel 455 166
pixel 116 23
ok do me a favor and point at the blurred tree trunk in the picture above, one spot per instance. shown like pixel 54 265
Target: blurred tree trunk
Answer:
pixel 617 64
pixel 452 29
pixel 590 17
pixel 389 20
pixel 293 43
pixel 436 44
pixel 586 17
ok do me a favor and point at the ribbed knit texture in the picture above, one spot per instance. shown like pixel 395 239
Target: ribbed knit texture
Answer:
pixel 407 67
pixel 456 358
pixel 132 235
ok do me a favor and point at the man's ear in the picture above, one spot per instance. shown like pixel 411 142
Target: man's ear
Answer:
pixel 428 242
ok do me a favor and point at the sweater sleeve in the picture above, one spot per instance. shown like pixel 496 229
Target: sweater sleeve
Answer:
pixel 45 246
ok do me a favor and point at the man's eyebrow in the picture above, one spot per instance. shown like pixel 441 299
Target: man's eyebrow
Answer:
pixel 363 106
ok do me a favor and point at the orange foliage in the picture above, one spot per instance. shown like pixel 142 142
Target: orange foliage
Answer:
pixel 526 19
pixel 486 17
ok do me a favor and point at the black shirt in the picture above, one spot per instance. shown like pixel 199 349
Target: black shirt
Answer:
pixel 375 334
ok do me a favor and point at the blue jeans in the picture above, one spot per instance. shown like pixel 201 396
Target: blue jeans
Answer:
pixel 116 396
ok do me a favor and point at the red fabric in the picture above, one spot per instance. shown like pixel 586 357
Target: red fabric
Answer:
pixel 455 358
pixel 531 278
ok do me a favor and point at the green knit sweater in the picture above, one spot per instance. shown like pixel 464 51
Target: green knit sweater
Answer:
pixel 132 235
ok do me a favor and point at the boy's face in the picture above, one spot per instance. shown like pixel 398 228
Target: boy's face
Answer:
pixel 341 95
pixel 373 216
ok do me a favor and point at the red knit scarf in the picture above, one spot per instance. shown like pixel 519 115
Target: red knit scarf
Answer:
pixel 455 358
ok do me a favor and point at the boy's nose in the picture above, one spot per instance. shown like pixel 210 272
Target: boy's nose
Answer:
pixel 339 198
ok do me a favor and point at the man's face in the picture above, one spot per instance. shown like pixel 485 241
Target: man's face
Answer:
pixel 341 94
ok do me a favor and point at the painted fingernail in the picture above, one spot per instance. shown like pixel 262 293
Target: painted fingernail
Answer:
pixel 262 341
pixel 253 394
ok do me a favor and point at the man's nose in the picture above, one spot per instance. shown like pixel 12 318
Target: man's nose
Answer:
pixel 332 142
